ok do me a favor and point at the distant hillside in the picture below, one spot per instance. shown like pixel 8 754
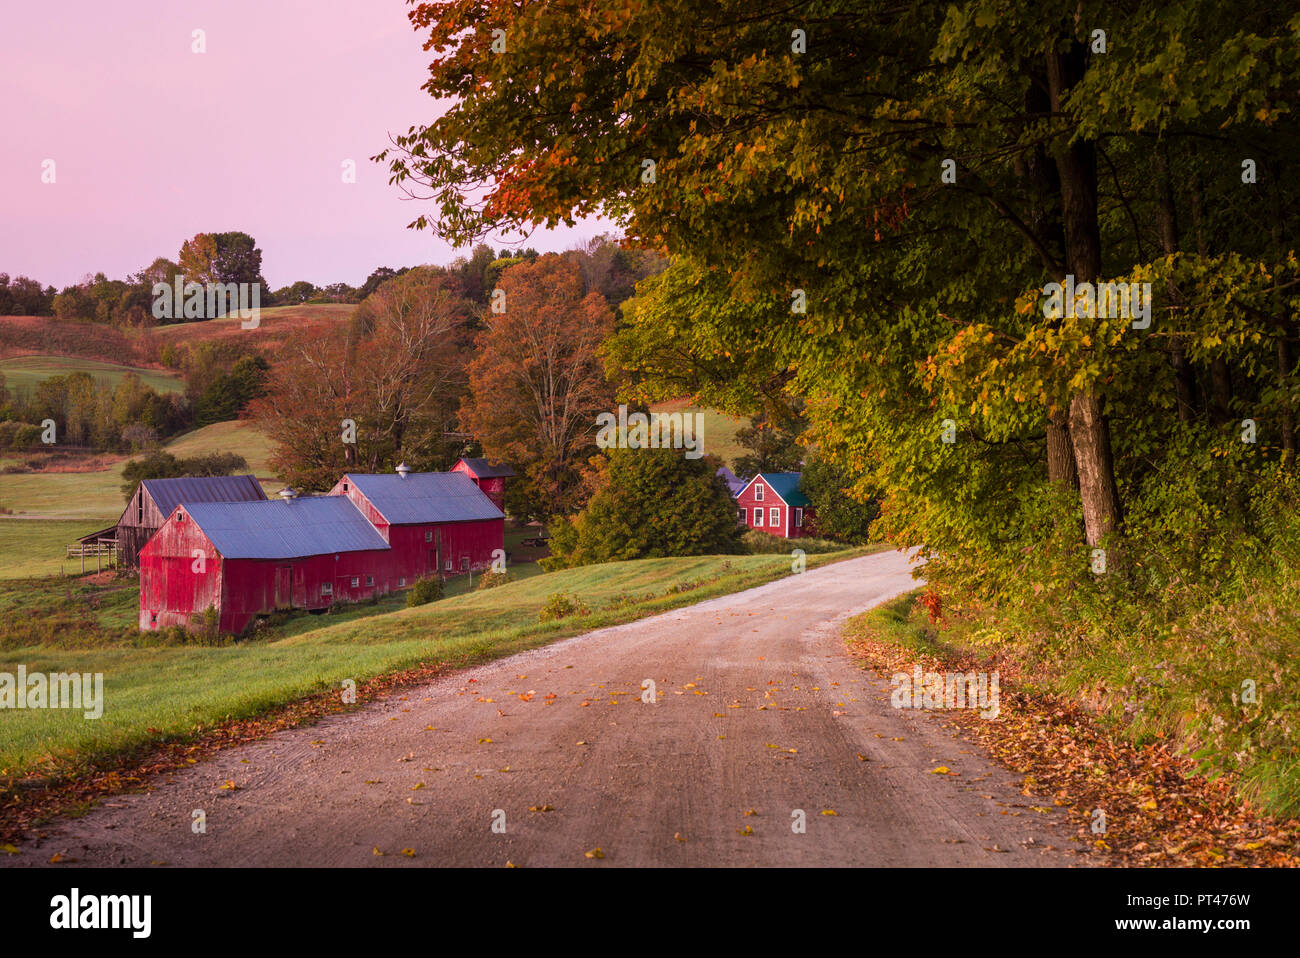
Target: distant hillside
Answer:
pixel 44 336
pixel 97 494
pixel 719 432
pixel 27 371
pixel 274 325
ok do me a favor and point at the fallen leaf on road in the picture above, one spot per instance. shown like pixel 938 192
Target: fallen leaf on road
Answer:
pixel 408 852
pixel 829 811
pixel 541 808
pixel 941 770
pixel 595 853
pixel 377 852
pixel 417 786
pixel 485 741
pixel 747 830
pixel 230 786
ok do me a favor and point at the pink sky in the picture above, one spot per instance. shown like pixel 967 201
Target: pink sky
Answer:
pixel 153 143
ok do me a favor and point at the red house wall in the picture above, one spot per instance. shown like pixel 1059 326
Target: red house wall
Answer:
pixel 786 528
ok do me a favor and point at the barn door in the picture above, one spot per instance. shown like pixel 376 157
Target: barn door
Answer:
pixel 283 587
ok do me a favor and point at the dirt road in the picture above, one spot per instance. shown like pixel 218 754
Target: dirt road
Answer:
pixel 760 721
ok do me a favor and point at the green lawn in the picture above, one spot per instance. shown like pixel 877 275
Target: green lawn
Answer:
pixel 28 371
pixel 36 547
pixel 166 691
pixel 76 495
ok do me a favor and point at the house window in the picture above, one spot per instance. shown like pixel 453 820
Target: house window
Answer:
pixel 464 563
pixel 798 517
pixel 428 535
pixel 327 588
pixel 370 580
pixel 356 581
pixel 758 516
pixel 743 514
pixel 774 516
pixel 758 492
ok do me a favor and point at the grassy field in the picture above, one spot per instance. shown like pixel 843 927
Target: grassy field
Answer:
pixel 26 372
pixel 719 432
pixel 166 692
pixel 96 495
pixel 36 547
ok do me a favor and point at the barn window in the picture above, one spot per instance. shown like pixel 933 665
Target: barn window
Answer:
pixel 356 581
pixel 370 580
pixel 464 563
pixel 153 618
pixel 327 588
pixel 139 507
pixel 345 487
pixel 774 516
pixel 428 535
pixel 180 517
pixel 447 566
pixel 758 515
pixel 401 581
pixel 798 518
pixel 758 492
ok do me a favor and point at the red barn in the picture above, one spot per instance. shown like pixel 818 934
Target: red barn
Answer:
pixel 434 521
pixel 772 503
pixel 491 479
pixel 245 559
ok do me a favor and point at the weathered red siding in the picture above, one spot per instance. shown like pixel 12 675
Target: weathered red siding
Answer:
pixel 172 590
pixel 494 487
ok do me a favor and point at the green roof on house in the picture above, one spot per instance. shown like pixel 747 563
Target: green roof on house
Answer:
pixel 785 485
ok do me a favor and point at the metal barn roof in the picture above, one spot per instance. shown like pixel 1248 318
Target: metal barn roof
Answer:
pixel 423 497
pixel 285 529
pixel 486 470
pixel 169 493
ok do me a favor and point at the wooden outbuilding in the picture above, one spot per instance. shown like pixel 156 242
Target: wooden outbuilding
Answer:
pixel 155 499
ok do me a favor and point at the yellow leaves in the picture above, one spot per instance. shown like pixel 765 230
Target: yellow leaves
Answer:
pixel 541 808
pixel 60 857
pixel 595 853
pixel 408 852
pixel 829 811
pixel 680 837
pixel 941 770
pixel 486 741
pixel 229 786
pixel 376 852
pixel 747 830
pixel 10 849
pixel 417 786
pixel 751 812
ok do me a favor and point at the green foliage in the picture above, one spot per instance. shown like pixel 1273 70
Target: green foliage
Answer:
pixel 423 591
pixel 490 580
pixel 163 465
pixel 561 605
pixel 841 509
pixel 227 396
pixel 650 503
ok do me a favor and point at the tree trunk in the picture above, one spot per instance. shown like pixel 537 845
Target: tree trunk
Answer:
pixel 1060 451
pixel 1287 416
pixel 1167 227
pixel 1077 166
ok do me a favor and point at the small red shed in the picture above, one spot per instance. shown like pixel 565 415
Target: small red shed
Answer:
pixel 488 477
pixel 245 559
pixel 772 503
pixel 434 521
